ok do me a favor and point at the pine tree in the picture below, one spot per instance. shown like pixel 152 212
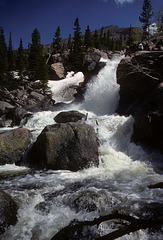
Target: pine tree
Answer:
pixel 57 47
pixel 104 40
pixel 36 60
pixel 44 77
pixel 20 59
pixel 3 57
pixel 108 42
pixel 130 36
pixel 112 45
pixel 96 39
pixel 146 17
pixel 10 54
pixel 159 21
pixel 69 44
pixel 35 55
pixel 101 38
pixel 88 38
pixel 11 60
pixel 77 51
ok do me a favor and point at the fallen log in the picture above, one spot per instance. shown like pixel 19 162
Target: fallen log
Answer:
pixel 156 185
pixel 132 225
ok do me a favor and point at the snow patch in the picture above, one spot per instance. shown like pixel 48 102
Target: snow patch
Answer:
pixel 64 90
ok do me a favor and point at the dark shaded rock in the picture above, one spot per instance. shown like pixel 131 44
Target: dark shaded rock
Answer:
pixel 139 76
pixel 13 143
pixel 18 115
pixel 141 94
pixel 159 97
pixel 70 116
pixel 149 130
pixel 37 96
pixel 71 146
pixel 5 107
pixel 8 211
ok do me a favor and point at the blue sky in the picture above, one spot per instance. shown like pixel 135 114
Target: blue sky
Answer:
pixel 22 16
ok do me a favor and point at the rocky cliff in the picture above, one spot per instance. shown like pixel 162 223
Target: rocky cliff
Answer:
pixel 140 76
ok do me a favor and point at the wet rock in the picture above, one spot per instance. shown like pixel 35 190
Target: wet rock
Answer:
pixel 70 116
pixel 71 146
pixel 148 129
pixel 13 143
pixel 18 116
pixel 8 211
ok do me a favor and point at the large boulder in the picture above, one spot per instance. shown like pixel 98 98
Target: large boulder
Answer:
pixel 141 94
pixel 5 107
pixel 138 76
pixel 148 129
pixel 8 211
pixel 13 143
pixel 92 64
pixel 71 146
pixel 69 116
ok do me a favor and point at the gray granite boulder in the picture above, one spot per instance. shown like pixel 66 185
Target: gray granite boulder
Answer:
pixel 71 146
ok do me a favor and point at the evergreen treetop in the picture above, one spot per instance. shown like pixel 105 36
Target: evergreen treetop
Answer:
pixel 146 17
pixel 77 51
pixel 57 41
pixel 3 56
pixel 10 52
pixel 20 59
pixel 88 38
pixel 35 57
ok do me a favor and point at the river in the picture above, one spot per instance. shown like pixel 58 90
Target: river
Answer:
pixel 50 200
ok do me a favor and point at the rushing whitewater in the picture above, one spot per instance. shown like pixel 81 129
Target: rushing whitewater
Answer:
pixel 50 200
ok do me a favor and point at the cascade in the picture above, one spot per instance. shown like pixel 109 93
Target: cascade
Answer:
pixel 50 200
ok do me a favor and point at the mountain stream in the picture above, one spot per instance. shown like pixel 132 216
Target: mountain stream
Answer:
pixel 49 200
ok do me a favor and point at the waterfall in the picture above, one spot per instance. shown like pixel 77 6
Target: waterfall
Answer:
pixel 50 200
pixel 102 94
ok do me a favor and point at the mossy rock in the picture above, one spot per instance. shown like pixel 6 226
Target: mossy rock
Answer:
pixel 13 143
pixel 68 146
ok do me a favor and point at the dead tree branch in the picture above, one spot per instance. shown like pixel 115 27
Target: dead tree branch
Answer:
pixel 132 226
